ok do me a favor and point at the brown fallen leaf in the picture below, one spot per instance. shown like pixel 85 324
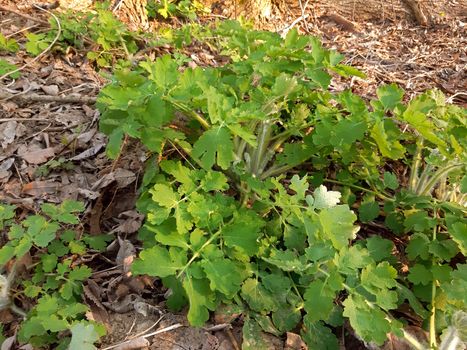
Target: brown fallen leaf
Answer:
pixel 5 165
pixel 92 298
pixel 8 343
pixel 133 222
pixel 89 152
pixel 37 156
pixel 137 343
pixel 7 132
pixel 294 342
pixel 126 254
pixel 51 90
pixel 123 178
pixel 40 188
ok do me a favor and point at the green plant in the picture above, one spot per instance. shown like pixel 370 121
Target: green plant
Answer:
pixel 6 67
pixel 174 8
pixel 52 165
pixel 8 45
pixel 231 222
pixel 56 283
pixel 100 33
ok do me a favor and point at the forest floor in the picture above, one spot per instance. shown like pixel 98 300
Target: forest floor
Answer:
pixel 49 114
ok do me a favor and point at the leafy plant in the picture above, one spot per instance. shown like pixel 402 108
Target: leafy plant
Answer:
pixel 174 8
pixel 228 223
pixel 108 37
pixel 6 67
pixel 8 45
pixel 57 281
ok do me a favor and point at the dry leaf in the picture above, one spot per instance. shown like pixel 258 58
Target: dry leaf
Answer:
pixel 97 311
pixel 131 224
pixel 9 106
pixel 89 152
pixel 122 176
pixel 294 342
pixel 8 343
pixel 51 90
pixel 146 309
pixel 126 254
pixel 7 133
pixel 40 188
pixel 4 169
pixel 84 138
pixel 37 156
pixel 137 343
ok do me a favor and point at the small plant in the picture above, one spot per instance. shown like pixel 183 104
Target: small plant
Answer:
pixel 84 29
pixel 174 8
pixel 6 67
pixel 56 284
pixel 8 45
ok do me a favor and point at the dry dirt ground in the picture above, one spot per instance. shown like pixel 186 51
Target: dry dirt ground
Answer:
pixel 48 114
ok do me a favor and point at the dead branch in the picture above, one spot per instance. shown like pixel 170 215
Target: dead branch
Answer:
pixel 34 19
pixel 73 98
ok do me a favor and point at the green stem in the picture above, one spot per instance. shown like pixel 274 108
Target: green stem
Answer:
pixel 380 195
pixel 275 170
pixel 433 299
pixel 416 165
pixel 412 341
pixel 180 106
pixel 261 149
pixel 198 252
pixel 127 53
pixel 271 152
pixel 437 177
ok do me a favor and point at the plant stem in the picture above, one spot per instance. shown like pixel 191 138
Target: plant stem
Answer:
pixel 261 149
pixel 198 252
pixel 437 177
pixel 180 106
pixel 412 341
pixel 416 165
pixel 275 170
pixel 433 299
pixel 380 195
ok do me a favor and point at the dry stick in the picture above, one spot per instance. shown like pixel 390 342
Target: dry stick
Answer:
pixel 285 30
pixel 303 9
pixel 89 100
pixel 59 32
pixel 163 330
pixel 3 120
pixel 6 9
pixel 21 30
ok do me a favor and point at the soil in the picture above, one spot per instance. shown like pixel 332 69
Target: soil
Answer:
pixel 415 57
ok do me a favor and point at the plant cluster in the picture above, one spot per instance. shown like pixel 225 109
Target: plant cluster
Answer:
pixel 234 219
pixel 100 32
pixel 174 8
pixel 56 283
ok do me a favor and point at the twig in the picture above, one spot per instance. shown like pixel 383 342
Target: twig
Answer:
pixel 159 331
pixel 232 339
pixel 303 9
pixel 59 32
pixel 21 30
pixel 285 30
pixel 6 9
pixel 451 99
pixel 218 327
pixel 3 120
pixel 75 98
